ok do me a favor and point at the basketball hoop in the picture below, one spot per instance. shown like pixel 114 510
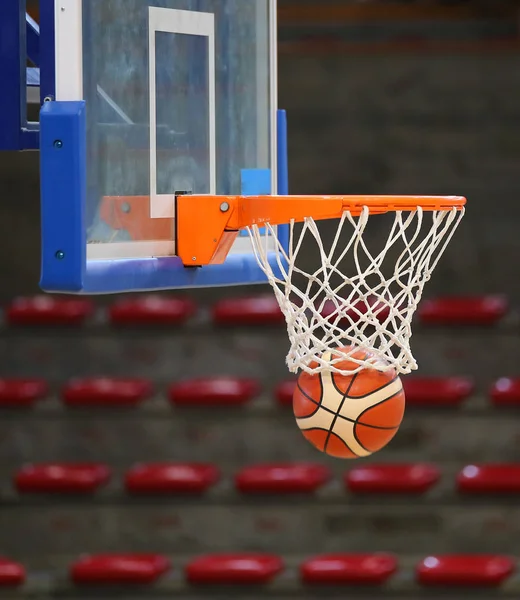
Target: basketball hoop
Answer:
pixel 357 297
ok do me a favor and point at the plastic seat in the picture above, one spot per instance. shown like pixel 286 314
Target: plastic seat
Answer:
pixel 151 310
pixel 246 568
pixel 489 479
pixel 297 478
pixel 464 570
pixel 47 310
pixel 259 310
pixel 215 391
pixel 357 309
pixel 123 569
pixel 353 569
pixel 437 391
pixel 505 392
pixel 11 573
pixel 171 478
pixel 484 310
pixel 106 392
pixel 22 393
pixel 284 392
pixel 61 478
pixel 392 479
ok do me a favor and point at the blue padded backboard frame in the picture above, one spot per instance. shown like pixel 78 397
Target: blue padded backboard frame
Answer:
pixel 65 268
pixel 21 39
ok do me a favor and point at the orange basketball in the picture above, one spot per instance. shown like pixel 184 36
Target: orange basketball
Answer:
pixel 349 416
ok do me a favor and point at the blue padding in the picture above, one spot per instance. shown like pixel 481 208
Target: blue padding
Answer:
pixel 283 171
pixel 255 182
pixel 63 200
pixel 63 186
pixel 283 153
pixel 12 70
pixel 112 276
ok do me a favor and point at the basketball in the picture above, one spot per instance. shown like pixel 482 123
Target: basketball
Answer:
pixel 349 416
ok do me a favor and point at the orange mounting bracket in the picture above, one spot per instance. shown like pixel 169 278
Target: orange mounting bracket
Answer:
pixel 206 226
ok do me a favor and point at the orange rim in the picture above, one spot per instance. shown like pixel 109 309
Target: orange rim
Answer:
pixel 207 225
pixel 277 210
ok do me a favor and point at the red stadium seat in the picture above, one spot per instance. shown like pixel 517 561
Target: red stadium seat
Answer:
pixel 106 392
pixel 392 479
pixel 437 391
pixel 259 310
pixel 171 478
pixel 46 310
pixel 22 393
pixel 489 479
pixel 296 478
pixel 353 569
pixel 123 569
pixel 58 478
pixel 216 391
pixel 234 569
pixel 506 392
pixel 151 310
pixel 358 308
pixel 485 310
pixel 284 392
pixel 11 573
pixel 464 570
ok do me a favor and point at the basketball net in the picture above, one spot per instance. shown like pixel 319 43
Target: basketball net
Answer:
pixel 371 307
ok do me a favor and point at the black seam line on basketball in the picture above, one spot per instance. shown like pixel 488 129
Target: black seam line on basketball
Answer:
pixel 338 411
pixel 310 400
pixel 330 411
pixel 357 439
pixel 342 441
pixel 370 407
pixel 334 385
pixel 376 390
pixel 367 394
pixel 343 418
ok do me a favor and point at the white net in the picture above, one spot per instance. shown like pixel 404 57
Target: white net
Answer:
pixel 355 297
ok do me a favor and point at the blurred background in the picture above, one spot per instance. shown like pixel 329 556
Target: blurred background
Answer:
pixel 383 97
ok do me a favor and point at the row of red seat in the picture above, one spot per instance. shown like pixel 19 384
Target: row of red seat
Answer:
pixel 246 311
pixel 233 391
pixel 273 478
pixel 249 568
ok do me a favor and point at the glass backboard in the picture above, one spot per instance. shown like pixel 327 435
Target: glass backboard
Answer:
pixel 180 96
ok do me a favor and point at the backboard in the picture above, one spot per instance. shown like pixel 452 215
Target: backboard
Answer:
pixel 154 98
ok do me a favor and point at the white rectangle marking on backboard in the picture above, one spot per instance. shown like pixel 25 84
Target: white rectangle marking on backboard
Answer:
pixel 120 250
pixel 263 104
pixel 68 25
pixel 168 20
pixel 273 86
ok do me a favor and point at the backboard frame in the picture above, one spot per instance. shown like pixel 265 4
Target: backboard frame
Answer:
pixel 65 264
pixel 23 40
